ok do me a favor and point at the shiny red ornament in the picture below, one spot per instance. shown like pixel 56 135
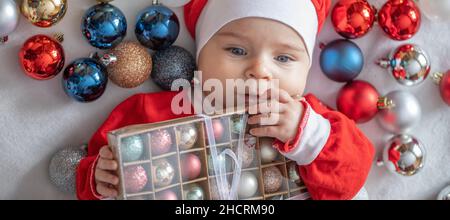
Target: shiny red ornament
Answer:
pixel 191 166
pixel 444 86
pixel 353 18
pixel 400 19
pixel 42 57
pixel 358 100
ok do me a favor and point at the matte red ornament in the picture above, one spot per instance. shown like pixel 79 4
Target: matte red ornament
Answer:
pixel 42 57
pixel 358 100
pixel 400 19
pixel 353 18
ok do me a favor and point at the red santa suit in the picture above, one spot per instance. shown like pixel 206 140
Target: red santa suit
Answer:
pixel 333 155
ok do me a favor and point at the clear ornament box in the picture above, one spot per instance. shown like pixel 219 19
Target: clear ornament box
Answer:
pixel 219 161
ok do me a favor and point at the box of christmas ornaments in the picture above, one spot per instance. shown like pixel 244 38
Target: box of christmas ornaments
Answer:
pixel 201 158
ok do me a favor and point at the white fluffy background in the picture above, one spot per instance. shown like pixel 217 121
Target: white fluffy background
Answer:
pixel 37 118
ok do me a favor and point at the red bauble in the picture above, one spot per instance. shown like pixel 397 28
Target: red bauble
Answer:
pixel 400 19
pixel 42 57
pixel 358 100
pixel 218 128
pixel 191 166
pixel 353 18
pixel 445 87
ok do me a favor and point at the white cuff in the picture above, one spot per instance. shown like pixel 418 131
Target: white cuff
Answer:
pixel 312 140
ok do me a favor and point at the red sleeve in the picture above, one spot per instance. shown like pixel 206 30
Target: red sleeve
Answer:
pixel 342 166
pixel 138 109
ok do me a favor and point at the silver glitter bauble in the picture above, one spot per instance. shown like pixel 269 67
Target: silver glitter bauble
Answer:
pixel 268 152
pixel 62 168
pixel 401 114
pixel 194 192
pixel 409 64
pixel 404 155
pixel 248 185
pixel 248 152
pixel 172 64
pixel 163 172
pixel 444 194
pixel 9 18
pixel 186 136
pixel 215 194
pixel 132 148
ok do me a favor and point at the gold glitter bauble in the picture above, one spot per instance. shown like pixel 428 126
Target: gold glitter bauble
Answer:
pixel 133 65
pixel 273 179
pixel 44 13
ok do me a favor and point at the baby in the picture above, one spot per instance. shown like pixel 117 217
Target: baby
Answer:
pixel 266 41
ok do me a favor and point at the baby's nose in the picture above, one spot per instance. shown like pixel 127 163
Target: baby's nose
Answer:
pixel 258 70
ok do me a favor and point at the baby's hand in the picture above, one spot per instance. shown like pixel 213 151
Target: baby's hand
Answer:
pixel 278 117
pixel 105 178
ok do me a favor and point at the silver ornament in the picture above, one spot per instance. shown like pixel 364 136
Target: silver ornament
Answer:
pixel 409 64
pixel 132 148
pixel 214 189
pixel 237 124
pixel 444 194
pixel 194 192
pixel 163 172
pixel 272 179
pixel 221 159
pixel 293 173
pixel 403 155
pixel 172 64
pixel 9 18
pixel 248 185
pixel 268 152
pixel 62 168
pixel 401 113
pixel 186 136
pixel 248 152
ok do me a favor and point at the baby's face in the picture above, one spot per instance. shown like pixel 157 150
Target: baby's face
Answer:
pixel 256 48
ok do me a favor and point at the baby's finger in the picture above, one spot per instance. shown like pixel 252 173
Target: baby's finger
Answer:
pixel 104 190
pixel 265 119
pixel 265 131
pixel 106 153
pixel 105 164
pixel 278 94
pixel 271 106
pixel 106 177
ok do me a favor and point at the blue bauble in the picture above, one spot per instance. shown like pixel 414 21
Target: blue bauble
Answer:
pixel 157 27
pixel 85 80
pixel 132 148
pixel 104 26
pixel 341 60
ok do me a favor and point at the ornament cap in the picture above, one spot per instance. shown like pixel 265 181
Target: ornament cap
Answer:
pixel 437 77
pixel 385 103
pixel 3 40
pixel 59 37
pixel 385 63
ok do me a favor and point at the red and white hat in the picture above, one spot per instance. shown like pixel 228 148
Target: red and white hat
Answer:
pixel 205 17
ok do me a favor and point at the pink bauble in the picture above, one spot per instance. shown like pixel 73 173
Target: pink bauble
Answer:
pixel 191 166
pixel 161 142
pixel 167 195
pixel 218 128
pixel 135 179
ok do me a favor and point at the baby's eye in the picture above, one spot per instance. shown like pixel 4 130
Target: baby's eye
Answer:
pixel 237 51
pixel 283 58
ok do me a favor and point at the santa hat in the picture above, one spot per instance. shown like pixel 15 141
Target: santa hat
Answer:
pixel 204 18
